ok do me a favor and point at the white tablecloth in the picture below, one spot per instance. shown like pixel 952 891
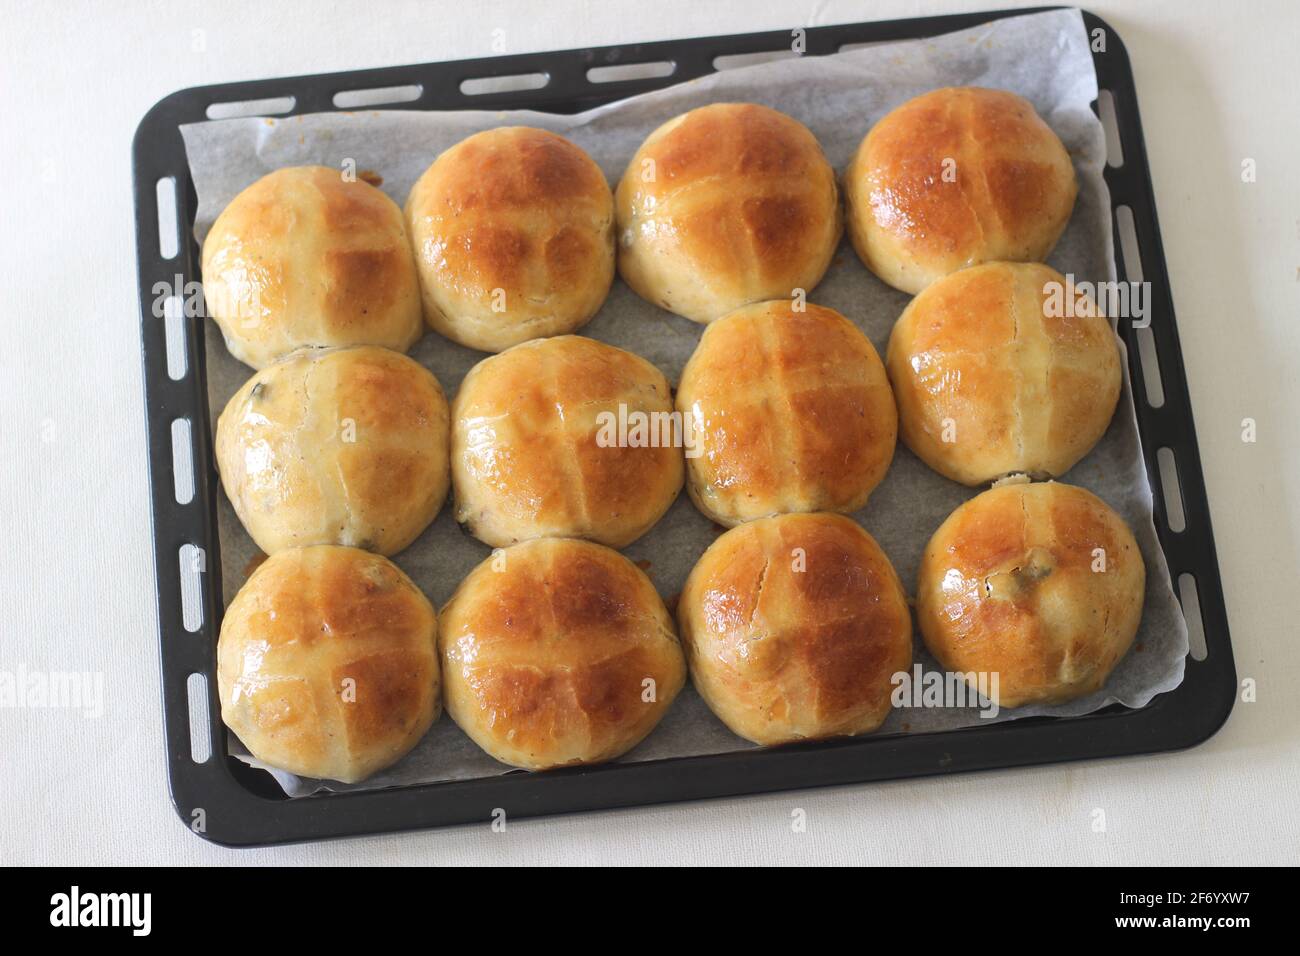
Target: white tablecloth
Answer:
pixel 1217 88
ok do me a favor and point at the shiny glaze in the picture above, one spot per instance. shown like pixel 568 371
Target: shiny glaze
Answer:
pixel 513 231
pixel 1008 584
pixel 725 205
pixel 326 664
pixel 976 359
pixel 955 177
pixel 526 461
pixel 304 257
pixel 547 647
pixel 793 411
pixel 336 446
pixel 794 627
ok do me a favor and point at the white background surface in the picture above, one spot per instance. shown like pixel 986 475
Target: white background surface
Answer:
pixel 1218 83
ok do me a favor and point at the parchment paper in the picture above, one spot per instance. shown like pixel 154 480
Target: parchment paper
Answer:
pixel 1043 57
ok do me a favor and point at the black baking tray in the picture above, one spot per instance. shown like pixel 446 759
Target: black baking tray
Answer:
pixel 230 803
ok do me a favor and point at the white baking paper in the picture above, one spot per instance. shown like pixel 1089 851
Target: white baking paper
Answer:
pixel 1043 57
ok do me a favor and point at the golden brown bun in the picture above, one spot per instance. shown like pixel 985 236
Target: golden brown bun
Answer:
pixel 740 206
pixel 548 649
pixel 305 258
pixel 794 627
pixel 1010 585
pixel 529 458
pixel 327 664
pixel 513 231
pixel 989 384
pixel 791 411
pixel 336 446
pixel 956 177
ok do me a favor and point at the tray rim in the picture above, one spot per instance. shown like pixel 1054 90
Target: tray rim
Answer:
pixel 235 815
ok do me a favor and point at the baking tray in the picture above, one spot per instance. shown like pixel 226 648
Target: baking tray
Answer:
pixel 230 803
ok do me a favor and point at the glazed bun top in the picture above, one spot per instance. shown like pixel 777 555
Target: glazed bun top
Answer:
pixel 558 652
pixel 305 257
pixel 513 231
pixel 1040 584
pixel 336 446
pixel 794 627
pixel 726 205
pixel 1003 368
pixel 790 410
pixel 538 447
pixel 953 178
pixel 327 663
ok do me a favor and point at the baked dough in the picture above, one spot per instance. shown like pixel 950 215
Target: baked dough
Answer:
pixel 336 446
pixel 327 663
pixel 794 627
pixel 788 411
pixel 1041 584
pixel 304 257
pixel 535 444
pixel 726 205
pixel 558 652
pixel 956 177
pixel 1003 368
pixel 513 231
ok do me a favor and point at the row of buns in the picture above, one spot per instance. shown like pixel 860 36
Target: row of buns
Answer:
pixel 557 650
pixel 783 407
pixel 514 233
